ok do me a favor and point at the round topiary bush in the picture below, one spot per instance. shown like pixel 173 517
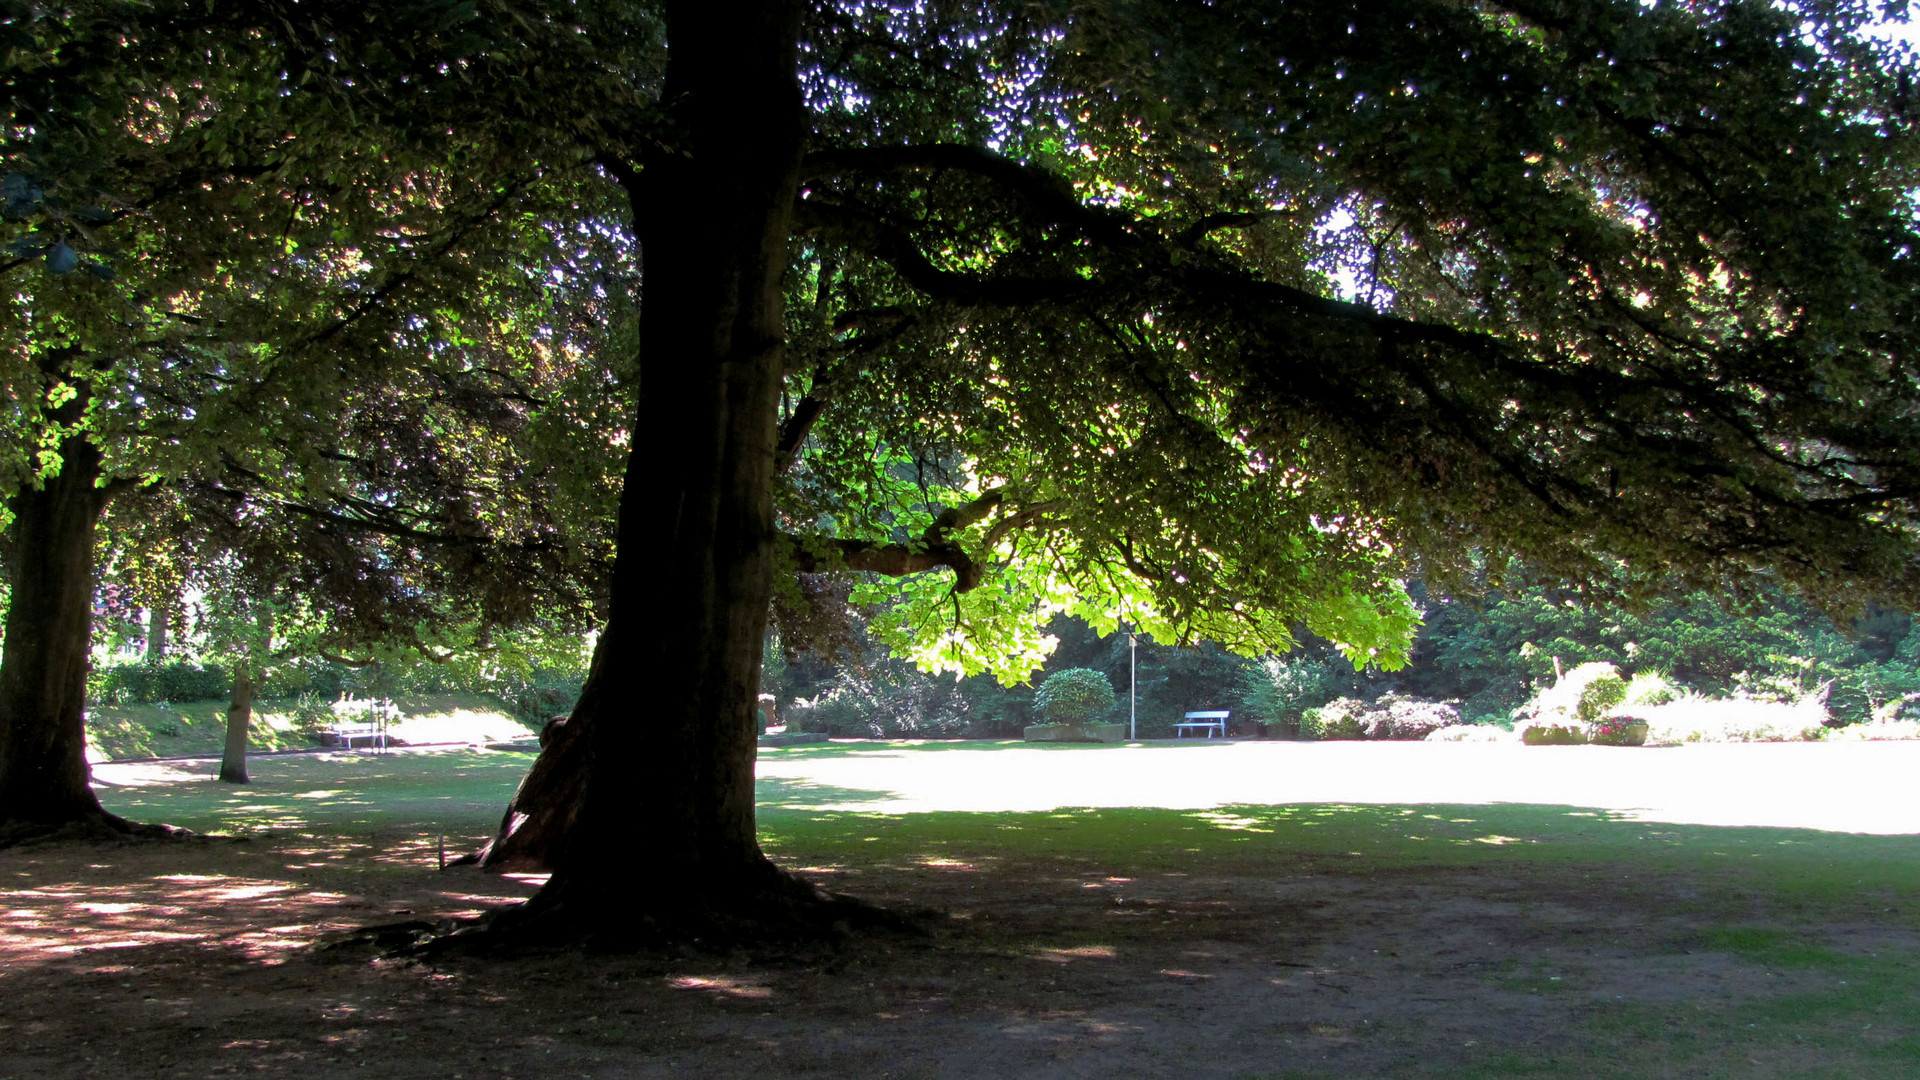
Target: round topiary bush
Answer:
pixel 1578 697
pixel 1601 688
pixel 1073 696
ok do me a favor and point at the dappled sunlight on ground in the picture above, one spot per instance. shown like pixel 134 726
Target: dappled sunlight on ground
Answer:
pixel 1855 787
pixel 724 985
pixel 142 774
pixel 267 897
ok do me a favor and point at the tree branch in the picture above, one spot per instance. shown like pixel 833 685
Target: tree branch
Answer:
pixel 935 549
pixel 894 246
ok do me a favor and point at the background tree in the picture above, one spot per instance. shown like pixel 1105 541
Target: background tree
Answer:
pixel 242 631
pixel 223 278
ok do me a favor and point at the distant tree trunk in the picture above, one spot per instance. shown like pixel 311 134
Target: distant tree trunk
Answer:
pixel 645 809
pixel 233 760
pixel 43 668
pixel 156 634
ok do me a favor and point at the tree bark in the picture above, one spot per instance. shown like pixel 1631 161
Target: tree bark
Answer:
pixel 645 808
pixel 156 635
pixel 233 759
pixel 43 667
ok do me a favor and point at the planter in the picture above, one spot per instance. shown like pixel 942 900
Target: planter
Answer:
pixel 1554 735
pixel 1076 733
pixel 793 738
pixel 1617 732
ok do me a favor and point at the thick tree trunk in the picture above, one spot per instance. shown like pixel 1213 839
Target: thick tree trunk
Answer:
pixel 644 806
pixel 43 669
pixel 233 759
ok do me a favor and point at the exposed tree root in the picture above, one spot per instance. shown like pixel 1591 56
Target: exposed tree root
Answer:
pixel 99 827
pixel 784 913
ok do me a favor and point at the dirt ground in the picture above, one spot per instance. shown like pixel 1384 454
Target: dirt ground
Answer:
pixel 193 960
pixel 140 961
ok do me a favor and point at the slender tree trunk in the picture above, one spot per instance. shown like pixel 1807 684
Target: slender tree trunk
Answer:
pixel 156 635
pixel 233 760
pixel 645 807
pixel 43 668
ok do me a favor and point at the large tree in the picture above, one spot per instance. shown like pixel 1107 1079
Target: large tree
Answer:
pixel 1215 317
pixel 242 271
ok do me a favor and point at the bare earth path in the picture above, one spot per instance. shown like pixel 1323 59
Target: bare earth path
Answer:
pixel 1356 910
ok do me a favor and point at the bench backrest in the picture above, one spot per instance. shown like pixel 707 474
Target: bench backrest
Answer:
pixel 1208 715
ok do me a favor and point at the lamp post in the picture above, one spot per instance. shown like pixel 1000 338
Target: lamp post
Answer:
pixel 1133 678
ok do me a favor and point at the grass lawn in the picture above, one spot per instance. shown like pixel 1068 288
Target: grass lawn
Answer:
pixel 1157 932
pixel 198 728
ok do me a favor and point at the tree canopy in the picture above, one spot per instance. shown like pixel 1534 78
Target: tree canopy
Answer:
pixel 1251 307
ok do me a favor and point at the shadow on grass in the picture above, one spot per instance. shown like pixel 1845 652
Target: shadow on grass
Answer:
pixel 788 793
pixel 456 792
pixel 1808 867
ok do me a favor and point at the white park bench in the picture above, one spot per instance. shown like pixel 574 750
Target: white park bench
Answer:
pixel 1209 722
pixel 344 734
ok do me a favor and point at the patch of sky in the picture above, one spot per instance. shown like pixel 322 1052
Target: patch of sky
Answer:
pixel 1348 255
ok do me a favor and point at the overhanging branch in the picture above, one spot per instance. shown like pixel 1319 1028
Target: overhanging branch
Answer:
pixel 936 548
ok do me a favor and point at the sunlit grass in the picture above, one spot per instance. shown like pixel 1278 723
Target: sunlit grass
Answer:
pixel 198 728
pixel 455 792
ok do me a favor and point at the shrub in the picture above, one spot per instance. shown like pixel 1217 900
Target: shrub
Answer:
pixel 1397 716
pixel 1877 731
pixel 145 682
pixel 1311 725
pixel 542 695
pixel 1904 707
pixel 1849 700
pixel 887 703
pixel 1651 688
pixel 312 715
pixel 1490 706
pixel 1392 716
pixel 1693 718
pixel 1074 696
pixel 1277 692
pixel 1340 719
pixel 839 712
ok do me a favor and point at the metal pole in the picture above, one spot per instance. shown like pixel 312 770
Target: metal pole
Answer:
pixel 1133 678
